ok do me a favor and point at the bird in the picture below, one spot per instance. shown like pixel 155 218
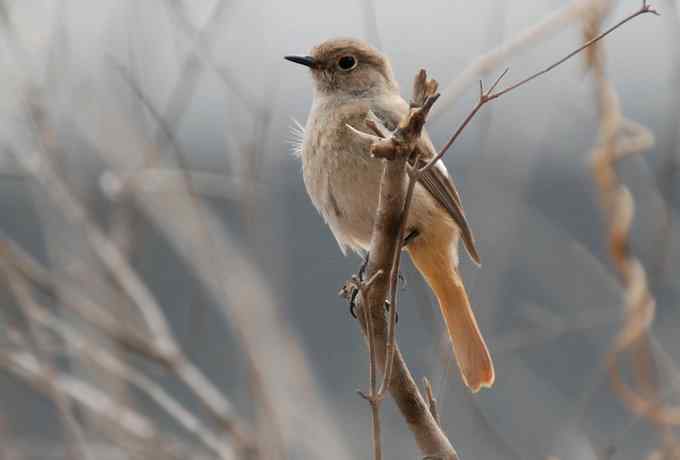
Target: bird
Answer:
pixel 351 79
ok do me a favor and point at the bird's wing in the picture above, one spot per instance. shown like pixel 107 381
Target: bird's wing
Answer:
pixel 437 181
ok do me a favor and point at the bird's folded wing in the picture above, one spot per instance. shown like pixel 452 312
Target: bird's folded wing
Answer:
pixel 440 185
pixel 436 180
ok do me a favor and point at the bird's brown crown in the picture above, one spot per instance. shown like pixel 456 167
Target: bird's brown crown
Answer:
pixel 350 66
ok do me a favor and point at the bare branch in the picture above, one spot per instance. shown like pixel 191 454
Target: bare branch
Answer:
pixel 117 367
pixel 385 243
pixel 25 366
pixel 431 400
pixel 74 433
pixel 490 95
pixel 134 287
pixel 527 38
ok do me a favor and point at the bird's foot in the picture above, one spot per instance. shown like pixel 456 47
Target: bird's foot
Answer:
pixel 351 289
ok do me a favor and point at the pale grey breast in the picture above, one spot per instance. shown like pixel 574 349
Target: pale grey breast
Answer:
pixel 341 177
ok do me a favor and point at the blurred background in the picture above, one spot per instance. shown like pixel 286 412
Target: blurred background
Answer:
pixel 168 288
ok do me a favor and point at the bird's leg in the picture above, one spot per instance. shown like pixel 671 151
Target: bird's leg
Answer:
pixel 358 278
pixel 351 289
pixel 410 236
pixel 353 303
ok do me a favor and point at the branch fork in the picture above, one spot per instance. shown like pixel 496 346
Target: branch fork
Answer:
pixel 401 143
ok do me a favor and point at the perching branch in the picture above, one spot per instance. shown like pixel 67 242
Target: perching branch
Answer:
pixel 385 243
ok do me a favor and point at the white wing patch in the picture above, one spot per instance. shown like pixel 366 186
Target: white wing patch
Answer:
pixel 442 167
pixel 297 138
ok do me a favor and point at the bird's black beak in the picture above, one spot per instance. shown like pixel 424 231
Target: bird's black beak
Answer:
pixel 304 60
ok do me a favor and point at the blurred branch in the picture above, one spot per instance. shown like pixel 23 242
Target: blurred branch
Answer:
pixel 203 43
pixel 8 442
pixel 204 54
pixel 25 366
pixel 242 296
pixel 72 297
pixel 489 95
pixel 431 400
pixel 76 445
pixel 180 158
pixel 527 38
pixel 618 205
pixel 118 368
pixel 38 165
pixel 370 18
pixel 669 167
pixel 41 316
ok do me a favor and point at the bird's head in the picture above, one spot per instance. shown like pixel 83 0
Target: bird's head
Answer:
pixel 348 67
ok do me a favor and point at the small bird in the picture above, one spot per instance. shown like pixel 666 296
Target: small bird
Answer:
pixel 343 181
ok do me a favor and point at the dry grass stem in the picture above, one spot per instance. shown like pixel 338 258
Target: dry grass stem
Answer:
pixel 77 444
pixel 25 366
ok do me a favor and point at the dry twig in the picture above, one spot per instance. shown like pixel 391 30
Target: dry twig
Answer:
pixel 164 343
pixel 77 444
pixel 492 59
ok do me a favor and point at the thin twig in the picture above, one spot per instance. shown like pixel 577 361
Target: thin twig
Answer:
pixel 77 445
pixel 134 287
pixel 25 366
pixel 531 36
pixel 371 23
pixel 117 367
pixel 488 96
pixel 384 243
pixel 643 10
pixel 431 400
pixel 424 96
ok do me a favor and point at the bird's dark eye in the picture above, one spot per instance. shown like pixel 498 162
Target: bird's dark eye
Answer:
pixel 347 63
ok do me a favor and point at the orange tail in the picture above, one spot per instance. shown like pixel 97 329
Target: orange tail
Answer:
pixel 474 360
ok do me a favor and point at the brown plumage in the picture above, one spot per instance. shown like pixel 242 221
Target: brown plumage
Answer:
pixel 342 180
